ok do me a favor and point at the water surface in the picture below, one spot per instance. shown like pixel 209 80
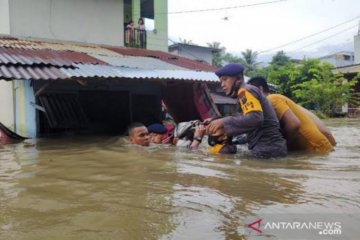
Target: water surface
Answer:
pixel 100 188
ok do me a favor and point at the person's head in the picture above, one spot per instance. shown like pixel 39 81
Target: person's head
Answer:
pixel 260 83
pixel 141 21
pixel 231 77
pixel 138 134
pixel 156 132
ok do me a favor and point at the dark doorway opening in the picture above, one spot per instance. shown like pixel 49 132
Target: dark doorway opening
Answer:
pixel 146 108
pixel 107 111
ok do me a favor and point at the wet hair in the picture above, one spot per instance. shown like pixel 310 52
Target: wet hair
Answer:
pixel 259 82
pixel 134 125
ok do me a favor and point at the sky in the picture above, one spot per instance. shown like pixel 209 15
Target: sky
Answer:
pixel 264 27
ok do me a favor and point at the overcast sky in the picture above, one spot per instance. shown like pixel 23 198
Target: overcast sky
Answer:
pixel 264 27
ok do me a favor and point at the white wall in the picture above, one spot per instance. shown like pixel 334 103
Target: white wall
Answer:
pixel 6 104
pixel 357 49
pixel 196 53
pixel 91 21
pixel 4 17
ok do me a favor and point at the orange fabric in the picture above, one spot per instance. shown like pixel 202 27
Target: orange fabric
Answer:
pixel 248 102
pixel 309 137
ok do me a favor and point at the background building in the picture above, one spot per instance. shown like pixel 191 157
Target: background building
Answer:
pixel 87 21
pixel 195 52
pixel 339 59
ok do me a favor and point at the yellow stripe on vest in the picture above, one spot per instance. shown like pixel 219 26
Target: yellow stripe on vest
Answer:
pixel 248 102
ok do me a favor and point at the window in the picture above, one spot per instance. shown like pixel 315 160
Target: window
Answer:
pixel 147 9
pixel 347 57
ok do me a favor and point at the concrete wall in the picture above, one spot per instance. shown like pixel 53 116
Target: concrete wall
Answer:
pixel 337 62
pixel 4 17
pixel 90 21
pixel 157 39
pixel 195 53
pixel 357 49
pixel 25 113
pixel 7 104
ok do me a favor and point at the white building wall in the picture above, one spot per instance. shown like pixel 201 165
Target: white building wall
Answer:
pixel 7 104
pixel 4 17
pixel 90 21
pixel 196 53
pixel 357 49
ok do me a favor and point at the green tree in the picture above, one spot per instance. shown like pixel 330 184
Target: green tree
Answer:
pixel 230 58
pixel 280 59
pixel 249 60
pixel 283 73
pixel 327 91
pixel 284 77
pixel 217 53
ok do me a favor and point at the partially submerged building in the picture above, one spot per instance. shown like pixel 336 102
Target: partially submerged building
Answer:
pixel 51 87
pixel 64 66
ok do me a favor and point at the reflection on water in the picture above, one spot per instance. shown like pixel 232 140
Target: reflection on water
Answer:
pixel 100 188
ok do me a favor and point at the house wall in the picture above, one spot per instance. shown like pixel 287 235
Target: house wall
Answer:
pixel 90 21
pixel 25 118
pixel 337 62
pixel 195 53
pixel 157 39
pixel 7 104
pixel 4 17
pixel 357 49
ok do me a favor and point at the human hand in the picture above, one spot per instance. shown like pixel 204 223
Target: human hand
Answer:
pixel 199 131
pixel 214 126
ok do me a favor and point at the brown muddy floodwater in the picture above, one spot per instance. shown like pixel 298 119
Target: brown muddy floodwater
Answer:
pixel 100 188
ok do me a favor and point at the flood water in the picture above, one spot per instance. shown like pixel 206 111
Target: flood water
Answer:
pixel 100 188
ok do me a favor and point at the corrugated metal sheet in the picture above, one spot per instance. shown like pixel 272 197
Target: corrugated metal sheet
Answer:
pixel 137 62
pixel 27 73
pixel 18 43
pixel 77 47
pixel 33 57
pixel 35 61
pixel 64 111
pixel 166 57
pixel 83 70
pixel 12 42
pixel 219 99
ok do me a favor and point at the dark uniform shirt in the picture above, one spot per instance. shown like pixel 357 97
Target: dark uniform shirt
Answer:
pixel 259 122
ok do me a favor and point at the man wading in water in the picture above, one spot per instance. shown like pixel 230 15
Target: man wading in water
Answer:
pixel 258 121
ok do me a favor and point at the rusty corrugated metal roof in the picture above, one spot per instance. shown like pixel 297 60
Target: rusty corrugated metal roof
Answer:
pixel 30 59
pixel 31 72
pixel 23 43
pixel 33 57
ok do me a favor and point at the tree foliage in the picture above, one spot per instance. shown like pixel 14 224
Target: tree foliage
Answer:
pixel 249 60
pixel 310 83
pixel 326 91
pixel 217 53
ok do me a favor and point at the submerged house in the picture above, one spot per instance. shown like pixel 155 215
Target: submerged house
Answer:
pixel 64 66
pixel 50 87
